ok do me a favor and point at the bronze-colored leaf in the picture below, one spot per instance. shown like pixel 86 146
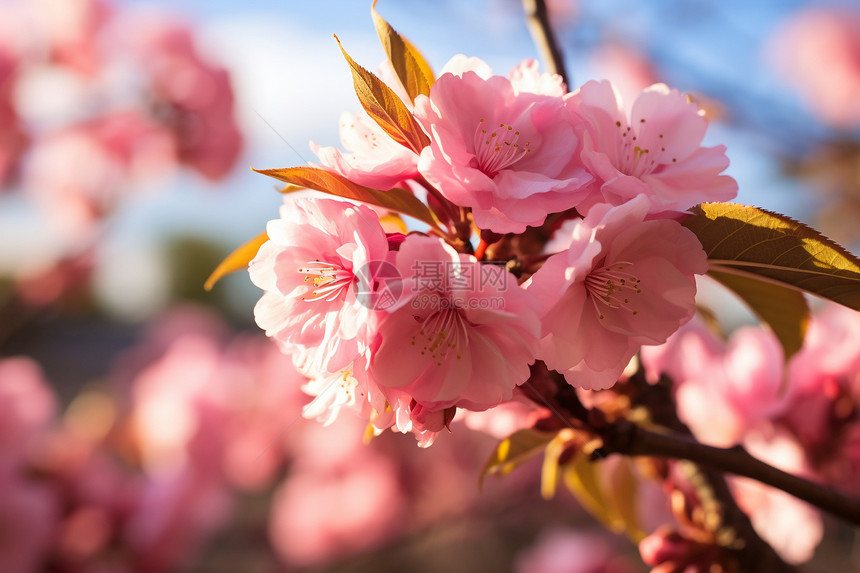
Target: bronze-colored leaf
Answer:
pixel 608 490
pixel 385 107
pixel 761 245
pixel 623 492
pixel 582 478
pixel 411 67
pixel 551 456
pixel 399 200
pixel 783 309
pixel 515 450
pixel 236 260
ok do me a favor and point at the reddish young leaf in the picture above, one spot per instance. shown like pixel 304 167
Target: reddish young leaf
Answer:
pixel 386 109
pixel 411 67
pixel 236 260
pixel 399 200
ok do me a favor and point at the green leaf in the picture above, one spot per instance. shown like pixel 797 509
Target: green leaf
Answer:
pixel 757 244
pixel 399 200
pixel 411 67
pixel 236 260
pixel 783 309
pixel 385 107
pixel 515 450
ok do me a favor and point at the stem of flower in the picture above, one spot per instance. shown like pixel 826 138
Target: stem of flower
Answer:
pixel 537 18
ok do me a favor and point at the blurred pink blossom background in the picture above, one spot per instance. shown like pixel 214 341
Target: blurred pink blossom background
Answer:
pixel 177 443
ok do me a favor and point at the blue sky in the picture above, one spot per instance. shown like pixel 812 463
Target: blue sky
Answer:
pixel 292 85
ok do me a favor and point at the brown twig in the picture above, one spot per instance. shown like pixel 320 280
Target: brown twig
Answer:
pixel 630 439
pixel 624 437
pixel 537 19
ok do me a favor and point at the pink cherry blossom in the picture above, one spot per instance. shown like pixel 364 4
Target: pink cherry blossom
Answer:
pixel 185 423
pixel 352 388
pixel 524 77
pixel 334 391
pixel 816 50
pixel 73 28
pixel 13 138
pixel 178 511
pixel 570 551
pixel 318 517
pixel 30 509
pixel 792 527
pixel 723 390
pixel 197 94
pixel 27 405
pixel 506 418
pixel 29 519
pixel 825 390
pixel 694 339
pixel 310 269
pixel 123 152
pixel 372 159
pixel 507 154
pixel 830 350
pixel 265 399
pixel 527 78
pixel 655 151
pixel 461 63
pixel 623 282
pixel 454 341
pixel 398 411
pixel 217 405
pixel 96 495
pixel 340 496
pixel 671 551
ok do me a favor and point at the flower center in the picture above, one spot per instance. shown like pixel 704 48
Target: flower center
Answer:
pixel 612 287
pixel 498 148
pixel 441 332
pixel 636 160
pixel 327 281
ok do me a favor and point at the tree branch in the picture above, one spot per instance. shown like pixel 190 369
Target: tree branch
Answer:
pixel 622 436
pixel 627 438
pixel 537 19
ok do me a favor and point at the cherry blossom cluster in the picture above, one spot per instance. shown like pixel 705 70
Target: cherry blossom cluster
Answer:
pixel 559 239
pixel 125 91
